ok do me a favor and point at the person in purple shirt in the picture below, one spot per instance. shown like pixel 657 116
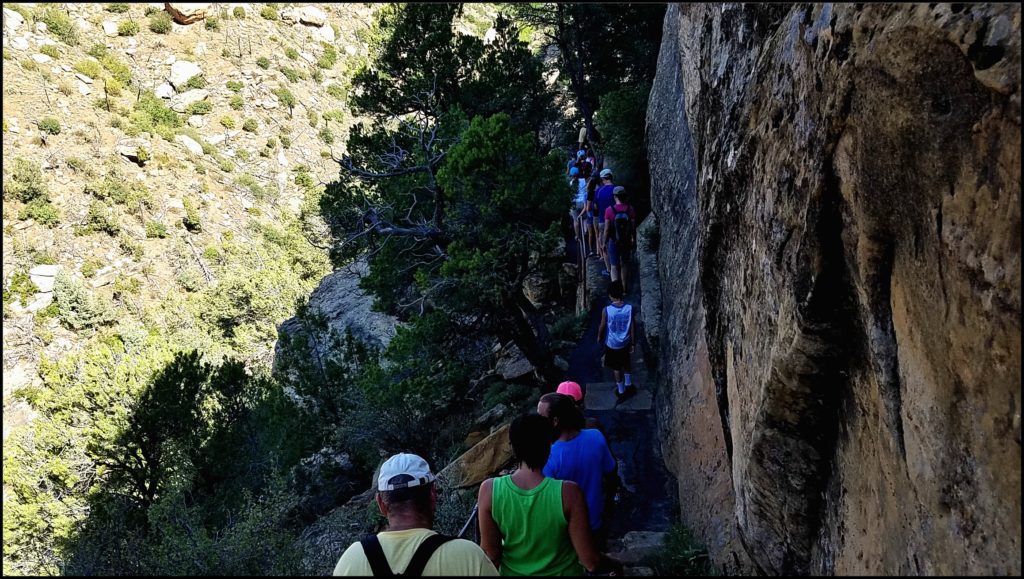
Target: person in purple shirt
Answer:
pixel 605 197
pixel 580 455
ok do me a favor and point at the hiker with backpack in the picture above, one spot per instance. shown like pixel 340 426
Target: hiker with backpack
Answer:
pixel 531 524
pixel 605 198
pixel 407 497
pixel 617 334
pixel 619 235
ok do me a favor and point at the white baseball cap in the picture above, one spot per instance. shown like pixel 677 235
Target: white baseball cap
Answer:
pixel 403 471
pixel 606 172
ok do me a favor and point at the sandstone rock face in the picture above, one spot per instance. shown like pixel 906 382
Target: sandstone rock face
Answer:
pixel 478 463
pixel 187 13
pixel 839 259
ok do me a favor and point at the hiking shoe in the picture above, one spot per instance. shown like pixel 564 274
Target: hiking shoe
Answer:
pixel 629 393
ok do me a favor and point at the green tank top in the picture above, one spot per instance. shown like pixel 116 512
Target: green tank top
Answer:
pixel 535 534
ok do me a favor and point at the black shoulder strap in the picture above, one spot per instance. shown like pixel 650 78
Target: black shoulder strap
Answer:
pixel 375 556
pixel 424 553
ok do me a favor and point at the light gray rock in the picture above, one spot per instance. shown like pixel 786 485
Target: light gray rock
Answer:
pixel 110 28
pixel 20 43
pixel 344 305
pixel 41 299
pixel 187 142
pixel 41 58
pixel 312 16
pixel 45 270
pixel 181 71
pixel 12 20
pixel 324 34
pixel 83 78
pixel 130 148
pixel 197 121
pixel 512 363
pixel 164 91
pixel 83 89
pixel 181 102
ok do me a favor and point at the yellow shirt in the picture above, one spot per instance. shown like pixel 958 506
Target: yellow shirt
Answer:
pixel 456 557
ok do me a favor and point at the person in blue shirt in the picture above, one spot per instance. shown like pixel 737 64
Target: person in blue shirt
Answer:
pixel 579 455
pixel 605 198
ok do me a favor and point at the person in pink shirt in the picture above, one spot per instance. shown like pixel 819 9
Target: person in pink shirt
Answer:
pixel 619 235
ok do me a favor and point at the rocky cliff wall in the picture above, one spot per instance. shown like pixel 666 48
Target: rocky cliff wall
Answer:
pixel 838 195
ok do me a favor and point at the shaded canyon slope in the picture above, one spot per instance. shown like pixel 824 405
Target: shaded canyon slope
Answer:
pixel 838 196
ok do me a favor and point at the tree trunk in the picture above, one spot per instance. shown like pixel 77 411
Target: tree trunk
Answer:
pixel 529 333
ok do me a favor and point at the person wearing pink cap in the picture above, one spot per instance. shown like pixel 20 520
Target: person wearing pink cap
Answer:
pixel 573 389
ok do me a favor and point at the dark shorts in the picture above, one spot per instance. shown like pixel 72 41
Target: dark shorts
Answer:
pixel 616 257
pixel 616 359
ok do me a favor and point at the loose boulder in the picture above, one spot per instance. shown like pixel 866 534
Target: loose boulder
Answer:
pixel 181 71
pixel 181 102
pixel 187 13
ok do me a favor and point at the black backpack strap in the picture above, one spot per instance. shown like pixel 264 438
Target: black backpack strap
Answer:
pixel 424 553
pixel 375 556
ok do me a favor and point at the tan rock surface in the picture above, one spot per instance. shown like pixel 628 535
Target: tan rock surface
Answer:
pixel 840 225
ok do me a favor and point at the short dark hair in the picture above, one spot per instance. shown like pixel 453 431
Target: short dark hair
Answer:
pixel 410 499
pixel 564 408
pixel 531 436
pixel 615 289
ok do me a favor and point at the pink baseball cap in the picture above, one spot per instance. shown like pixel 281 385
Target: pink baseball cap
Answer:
pixel 571 389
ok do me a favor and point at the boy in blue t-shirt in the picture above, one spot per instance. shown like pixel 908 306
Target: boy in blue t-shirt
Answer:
pixel 580 455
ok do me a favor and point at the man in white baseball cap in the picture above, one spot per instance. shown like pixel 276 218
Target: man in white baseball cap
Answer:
pixel 407 497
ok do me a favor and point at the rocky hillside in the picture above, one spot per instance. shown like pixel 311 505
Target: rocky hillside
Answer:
pixel 839 224
pixel 147 149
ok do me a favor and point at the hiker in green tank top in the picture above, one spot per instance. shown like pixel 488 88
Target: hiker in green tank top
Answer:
pixel 534 525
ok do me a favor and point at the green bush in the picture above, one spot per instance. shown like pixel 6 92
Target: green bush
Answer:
pixel 191 219
pixel 263 62
pixel 291 53
pixel 49 125
pixel 117 68
pixel 115 187
pixel 313 117
pixel 326 135
pixel 227 122
pixel 89 68
pixel 235 86
pixel 42 211
pixel 199 108
pixel 151 10
pixel 243 154
pixel 286 142
pixel 98 50
pixel 236 102
pixel 21 287
pixel 90 267
pixel 130 246
pixel 250 183
pixel 112 86
pixel 336 90
pixel 50 50
pixel 238 12
pixel 101 219
pixel 78 308
pixel 197 81
pixel 328 58
pixel 160 23
pixel 292 74
pixel 681 556
pixel 117 8
pixel 155 229
pixel 621 118
pixel 26 183
pixel 127 28
pixel 269 13
pixel 302 177
pixel 151 113
pixel 250 125
pixel 212 23
pixel 226 165
pixel 59 24
pixel 286 97
pixel 76 164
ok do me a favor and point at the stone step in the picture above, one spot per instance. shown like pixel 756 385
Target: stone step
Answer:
pixel 601 396
pixel 638 572
pixel 635 546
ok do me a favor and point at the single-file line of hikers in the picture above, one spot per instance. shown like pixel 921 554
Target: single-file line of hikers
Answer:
pixel 548 515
